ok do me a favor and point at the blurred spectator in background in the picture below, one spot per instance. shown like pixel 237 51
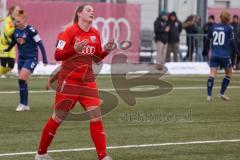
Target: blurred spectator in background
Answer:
pixel 190 25
pixel 173 37
pixel 206 28
pixel 198 21
pixel 161 29
pixel 198 39
pixel 236 29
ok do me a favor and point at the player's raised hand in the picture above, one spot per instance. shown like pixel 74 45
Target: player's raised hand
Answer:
pixel 110 46
pixel 78 46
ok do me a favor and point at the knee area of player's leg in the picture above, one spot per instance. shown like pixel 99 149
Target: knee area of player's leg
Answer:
pixel 95 114
pixel 228 76
pixel 60 115
pixel 22 82
pixel 211 77
pixel 56 118
pixel 98 119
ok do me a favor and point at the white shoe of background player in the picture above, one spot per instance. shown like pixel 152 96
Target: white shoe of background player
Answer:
pixel 22 107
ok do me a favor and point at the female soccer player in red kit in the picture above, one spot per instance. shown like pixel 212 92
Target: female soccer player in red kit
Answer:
pixel 77 47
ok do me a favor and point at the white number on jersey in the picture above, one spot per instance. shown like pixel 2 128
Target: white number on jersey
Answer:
pixel 218 38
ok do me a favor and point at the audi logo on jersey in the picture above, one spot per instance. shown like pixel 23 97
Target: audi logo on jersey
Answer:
pixel 88 50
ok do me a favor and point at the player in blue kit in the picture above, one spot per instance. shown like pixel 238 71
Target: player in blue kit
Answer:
pixel 222 37
pixel 28 41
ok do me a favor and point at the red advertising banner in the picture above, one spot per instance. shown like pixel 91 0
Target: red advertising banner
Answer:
pixel 217 11
pixel 120 22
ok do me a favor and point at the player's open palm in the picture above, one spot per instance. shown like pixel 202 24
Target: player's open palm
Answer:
pixel 79 45
pixel 110 46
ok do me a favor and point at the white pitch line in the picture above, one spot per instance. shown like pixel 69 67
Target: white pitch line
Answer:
pixel 127 146
pixel 195 80
pixel 15 92
pixel 192 88
pixel 112 89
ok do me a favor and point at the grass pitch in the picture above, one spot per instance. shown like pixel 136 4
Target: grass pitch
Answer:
pixel 182 115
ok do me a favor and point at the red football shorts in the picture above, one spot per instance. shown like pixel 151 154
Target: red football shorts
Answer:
pixel 86 94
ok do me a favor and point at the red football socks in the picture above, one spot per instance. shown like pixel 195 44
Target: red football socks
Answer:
pixel 98 137
pixel 48 134
pixel 97 133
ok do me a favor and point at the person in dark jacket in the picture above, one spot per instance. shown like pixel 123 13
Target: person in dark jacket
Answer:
pixel 206 28
pixel 161 29
pixel 173 37
pixel 190 25
pixel 236 29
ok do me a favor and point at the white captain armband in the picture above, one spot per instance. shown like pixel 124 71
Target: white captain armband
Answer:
pixel 37 38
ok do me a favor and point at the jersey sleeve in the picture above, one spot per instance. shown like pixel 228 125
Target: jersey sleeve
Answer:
pixel 63 41
pixel 99 44
pixel 100 53
pixel 34 34
pixel 64 48
pixel 37 39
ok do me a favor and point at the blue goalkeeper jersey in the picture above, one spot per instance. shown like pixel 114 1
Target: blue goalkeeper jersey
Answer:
pixel 221 35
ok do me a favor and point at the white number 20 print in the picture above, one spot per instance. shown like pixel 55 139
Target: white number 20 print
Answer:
pixel 218 38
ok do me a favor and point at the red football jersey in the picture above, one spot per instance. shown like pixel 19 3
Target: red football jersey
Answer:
pixel 77 67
